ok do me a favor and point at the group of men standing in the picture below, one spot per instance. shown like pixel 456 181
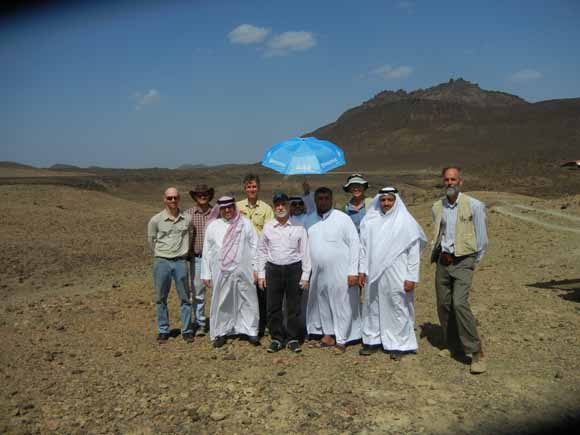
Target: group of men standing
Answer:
pixel 301 267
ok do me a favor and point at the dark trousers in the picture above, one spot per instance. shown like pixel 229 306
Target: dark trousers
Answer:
pixel 453 283
pixel 284 282
pixel 263 309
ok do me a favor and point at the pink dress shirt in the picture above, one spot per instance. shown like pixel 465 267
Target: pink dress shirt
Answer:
pixel 283 244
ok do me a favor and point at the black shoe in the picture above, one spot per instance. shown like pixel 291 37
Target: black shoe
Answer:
pixel 162 337
pixel 254 340
pixel 294 346
pixel 275 346
pixel 367 350
pixel 396 356
pixel 188 337
pixel 219 341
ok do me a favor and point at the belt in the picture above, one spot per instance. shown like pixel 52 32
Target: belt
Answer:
pixel 196 255
pixel 173 258
pixel 446 258
pixel 296 264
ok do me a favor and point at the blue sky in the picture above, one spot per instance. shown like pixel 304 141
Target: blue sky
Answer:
pixel 162 83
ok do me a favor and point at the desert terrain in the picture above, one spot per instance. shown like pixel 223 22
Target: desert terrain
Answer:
pixel 77 325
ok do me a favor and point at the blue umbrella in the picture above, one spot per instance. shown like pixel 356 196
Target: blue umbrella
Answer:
pixel 303 155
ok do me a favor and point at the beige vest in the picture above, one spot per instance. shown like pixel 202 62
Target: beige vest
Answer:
pixel 465 241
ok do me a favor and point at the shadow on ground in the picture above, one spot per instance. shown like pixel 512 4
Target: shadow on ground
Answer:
pixel 570 286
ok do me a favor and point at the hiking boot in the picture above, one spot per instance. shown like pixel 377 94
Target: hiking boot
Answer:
pixel 162 337
pixel 367 350
pixel 275 346
pixel 219 342
pixel 294 346
pixel 340 348
pixel 478 364
pixel 200 332
pixel 188 337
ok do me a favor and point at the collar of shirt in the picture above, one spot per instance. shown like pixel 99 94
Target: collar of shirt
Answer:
pixel 168 217
pixel 447 204
pixel 325 215
pixel 197 210
pixel 277 223
pixel 248 205
pixel 351 208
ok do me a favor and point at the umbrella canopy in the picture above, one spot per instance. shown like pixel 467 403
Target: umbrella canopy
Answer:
pixel 303 155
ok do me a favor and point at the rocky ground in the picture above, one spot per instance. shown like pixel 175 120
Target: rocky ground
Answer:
pixel 79 354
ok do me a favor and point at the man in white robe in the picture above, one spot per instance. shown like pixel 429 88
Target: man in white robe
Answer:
pixel 229 262
pixel 333 305
pixel 391 244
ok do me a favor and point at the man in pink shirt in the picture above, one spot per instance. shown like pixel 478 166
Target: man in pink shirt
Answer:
pixel 284 270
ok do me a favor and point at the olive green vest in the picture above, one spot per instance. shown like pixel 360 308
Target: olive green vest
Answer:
pixel 465 241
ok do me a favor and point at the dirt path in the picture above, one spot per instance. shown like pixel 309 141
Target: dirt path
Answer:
pixel 86 362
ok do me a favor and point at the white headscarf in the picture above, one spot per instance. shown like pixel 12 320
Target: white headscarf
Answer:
pixel 232 239
pixel 388 234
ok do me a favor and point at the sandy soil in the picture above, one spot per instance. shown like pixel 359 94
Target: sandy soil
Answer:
pixel 79 354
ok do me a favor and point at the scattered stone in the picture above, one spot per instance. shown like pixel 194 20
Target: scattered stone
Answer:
pixel 229 357
pixel 59 327
pixel 218 416
pixel 431 402
pixel 193 415
pixel 281 373
pixel 77 371
pixel 116 284
pixel 558 374
pixel 117 354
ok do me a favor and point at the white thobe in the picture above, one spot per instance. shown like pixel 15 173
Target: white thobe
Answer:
pixel 234 301
pixel 333 306
pixel 388 313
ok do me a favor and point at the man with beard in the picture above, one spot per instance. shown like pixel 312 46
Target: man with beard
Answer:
pixel 391 244
pixel 333 304
pixel 228 267
pixel 284 264
pixel 460 240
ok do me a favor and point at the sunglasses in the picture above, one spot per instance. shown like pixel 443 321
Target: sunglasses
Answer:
pixel 172 198
pixel 200 194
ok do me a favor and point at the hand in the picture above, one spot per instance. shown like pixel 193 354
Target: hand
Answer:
pixel 306 187
pixel 362 279
pixel 409 286
pixel 304 284
pixel 262 283
pixel 352 280
pixel 255 276
pixel 206 282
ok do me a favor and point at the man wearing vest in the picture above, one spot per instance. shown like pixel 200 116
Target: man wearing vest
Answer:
pixel 460 240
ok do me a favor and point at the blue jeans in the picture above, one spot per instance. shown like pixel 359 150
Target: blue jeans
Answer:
pixel 198 292
pixel 163 271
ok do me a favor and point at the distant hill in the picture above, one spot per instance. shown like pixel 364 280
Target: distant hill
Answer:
pixel 188 166
pixel 64 166
pixel 14 165
pixel 454 122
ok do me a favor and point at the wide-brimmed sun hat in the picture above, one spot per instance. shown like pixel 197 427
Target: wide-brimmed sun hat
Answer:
pixel 202 188
pixel 355 179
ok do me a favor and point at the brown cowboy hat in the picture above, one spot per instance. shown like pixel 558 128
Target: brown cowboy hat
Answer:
pixel 202 188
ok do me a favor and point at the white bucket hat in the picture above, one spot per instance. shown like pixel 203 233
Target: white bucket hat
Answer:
pixel 355 179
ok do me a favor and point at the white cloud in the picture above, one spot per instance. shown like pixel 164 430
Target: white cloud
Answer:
pixel 392 72
pixel 146 98
pixel 287 42
pixel 407 5
pixel 248 34
pixel 525 76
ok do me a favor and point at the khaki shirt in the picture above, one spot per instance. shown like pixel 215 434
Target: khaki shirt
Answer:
pixel 258 215
pixel 168 237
